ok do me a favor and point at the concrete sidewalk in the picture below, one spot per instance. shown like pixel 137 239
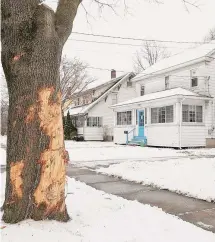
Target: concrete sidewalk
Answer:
pixel 198 212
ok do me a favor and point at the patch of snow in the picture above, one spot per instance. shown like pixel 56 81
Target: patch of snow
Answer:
pixel 2 156
pixel 92 154
pixel 99 217
pixel 191 177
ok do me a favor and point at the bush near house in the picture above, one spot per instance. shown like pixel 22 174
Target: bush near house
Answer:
pixel 70 130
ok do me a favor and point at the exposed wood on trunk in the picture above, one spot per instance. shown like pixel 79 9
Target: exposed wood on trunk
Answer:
pixel 31 52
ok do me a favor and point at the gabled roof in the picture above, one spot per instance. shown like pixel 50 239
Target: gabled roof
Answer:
pixel 159 95
pixel 98 83
pixel 187 57
pixel 86 108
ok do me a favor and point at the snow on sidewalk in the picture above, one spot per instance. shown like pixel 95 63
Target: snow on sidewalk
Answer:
pixel 99 217
pixel 191 177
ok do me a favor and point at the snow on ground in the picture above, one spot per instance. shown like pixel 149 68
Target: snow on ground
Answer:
pixel 191 177
pixel 99 217
pixel 2 156
pixel 92 154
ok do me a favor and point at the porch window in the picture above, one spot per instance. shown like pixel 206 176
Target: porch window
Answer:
pixel 162 115
pixel 124 118
pixel 94 121
pixel 192 114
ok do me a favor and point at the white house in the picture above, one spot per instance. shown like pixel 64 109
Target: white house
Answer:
pixel 175 105
pixel 91 112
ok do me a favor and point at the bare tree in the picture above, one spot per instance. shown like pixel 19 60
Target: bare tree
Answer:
pixel 73 77
pixel 149 54
pixel 211 35
pixel 4 106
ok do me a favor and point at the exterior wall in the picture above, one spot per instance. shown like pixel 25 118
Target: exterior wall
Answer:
pixel 102 109
pixel 166 135
pixel 126 93
pixel 119 135
pixel 193 136
pixel 80 131
pixel 93 133
pixel 206 86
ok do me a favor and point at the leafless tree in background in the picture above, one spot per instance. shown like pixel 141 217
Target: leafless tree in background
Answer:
pixel 73 77
pixel 4 106
pixel 211 35
pixel 149 54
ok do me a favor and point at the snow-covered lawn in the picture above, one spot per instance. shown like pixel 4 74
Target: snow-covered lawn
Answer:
pixel 99 217
pixel 92 154
pixel 191 177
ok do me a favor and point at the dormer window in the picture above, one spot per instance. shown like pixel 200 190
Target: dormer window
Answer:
pixel 166 82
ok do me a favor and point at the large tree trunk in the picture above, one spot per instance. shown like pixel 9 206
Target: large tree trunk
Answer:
pixel 31 53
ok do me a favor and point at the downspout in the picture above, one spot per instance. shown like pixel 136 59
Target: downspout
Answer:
pixel 180 122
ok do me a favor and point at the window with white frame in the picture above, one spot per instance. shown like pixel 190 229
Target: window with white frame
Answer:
pixel 162 114
pixel 124 118
pixel 114 98
pixel 142 90
pixel 94 121
pixel 192 114
pixel 166 82
pixel 194 78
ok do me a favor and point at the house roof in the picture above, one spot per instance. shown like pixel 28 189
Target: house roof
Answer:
pixel 159 95
pixel 186 57
pixel 84 109
pixel 98 83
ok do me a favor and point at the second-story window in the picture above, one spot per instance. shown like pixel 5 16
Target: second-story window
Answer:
pixel 142 90
pixel 114 98
pixel 166 82
pixel 78 101
pixel 194 78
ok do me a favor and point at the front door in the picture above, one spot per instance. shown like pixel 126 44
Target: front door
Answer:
pixel 141 123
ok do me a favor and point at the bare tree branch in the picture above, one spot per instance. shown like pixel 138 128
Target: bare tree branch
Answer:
pixel 74 77
pixel 149 54
pixel 65 15
pixel 210 36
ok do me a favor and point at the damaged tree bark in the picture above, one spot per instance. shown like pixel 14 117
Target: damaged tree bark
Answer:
pixel 32 38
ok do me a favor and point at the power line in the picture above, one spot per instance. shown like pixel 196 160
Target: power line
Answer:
pixel 139 39
pixel 123 44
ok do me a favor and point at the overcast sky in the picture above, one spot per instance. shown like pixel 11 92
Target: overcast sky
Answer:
pixel 167 21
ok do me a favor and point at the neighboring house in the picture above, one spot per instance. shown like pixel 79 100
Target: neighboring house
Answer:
pixel 175 105
pixel 91 112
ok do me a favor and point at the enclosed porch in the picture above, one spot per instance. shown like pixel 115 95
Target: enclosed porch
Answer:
pixel 172 118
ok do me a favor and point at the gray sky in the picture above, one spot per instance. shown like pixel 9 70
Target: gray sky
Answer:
pixel 167 21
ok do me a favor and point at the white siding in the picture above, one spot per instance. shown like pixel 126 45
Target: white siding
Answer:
pixel 80 131
pixel 163 135
pixel 126 93
pixel 119 135
pixel 102 109
pixel 93 133
pixel 193 136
